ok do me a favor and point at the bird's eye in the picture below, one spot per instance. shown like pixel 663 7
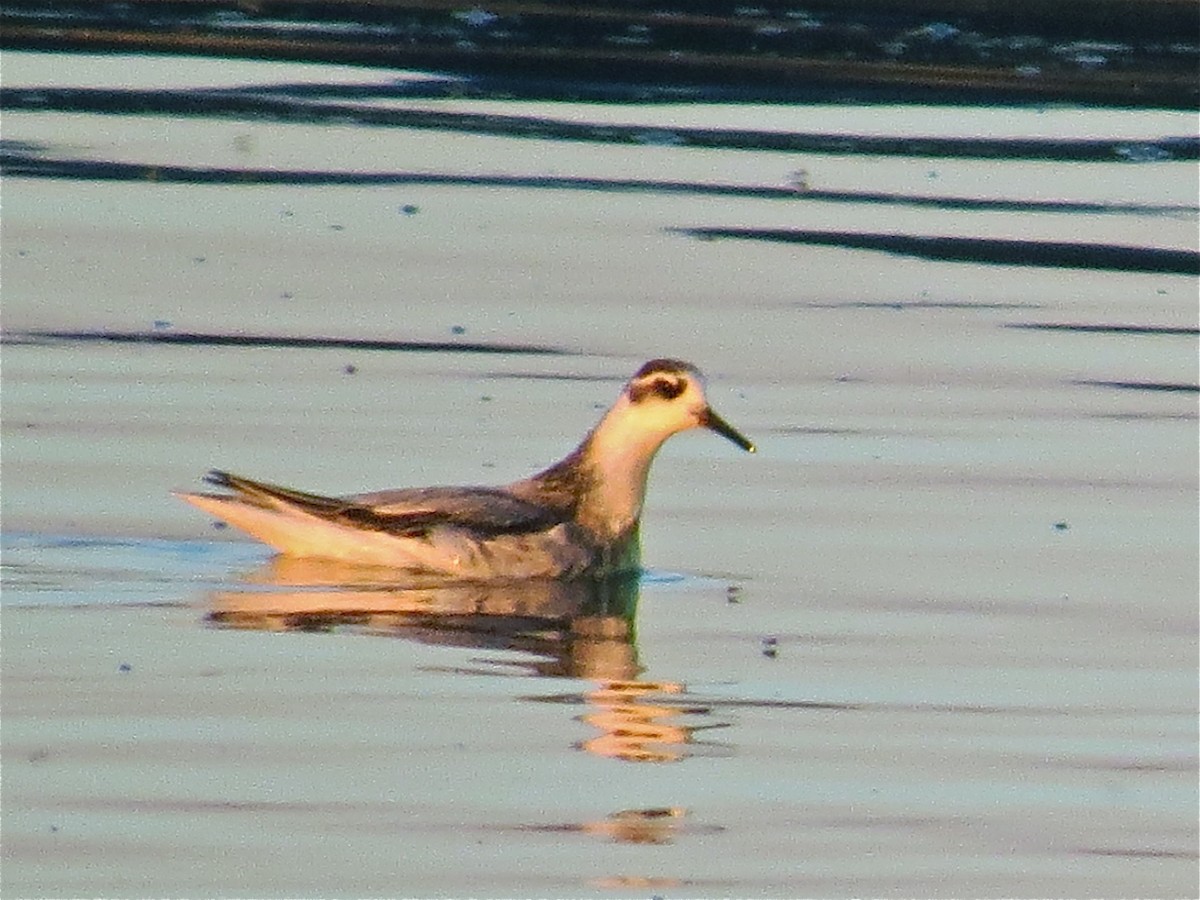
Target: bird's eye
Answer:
pixel 663 387
pixel 668 388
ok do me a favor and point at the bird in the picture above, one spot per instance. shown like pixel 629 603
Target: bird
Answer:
pixel 579 518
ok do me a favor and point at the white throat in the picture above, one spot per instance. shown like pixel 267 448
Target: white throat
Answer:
pixel 617 455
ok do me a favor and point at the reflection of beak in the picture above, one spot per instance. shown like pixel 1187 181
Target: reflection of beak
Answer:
pixel 711 420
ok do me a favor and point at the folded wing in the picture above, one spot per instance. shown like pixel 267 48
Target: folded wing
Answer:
pixel 413 513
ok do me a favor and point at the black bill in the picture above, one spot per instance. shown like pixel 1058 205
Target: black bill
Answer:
pixel 714 422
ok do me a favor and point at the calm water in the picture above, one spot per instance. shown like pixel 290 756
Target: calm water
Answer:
pixel 273 734
pixel 937 638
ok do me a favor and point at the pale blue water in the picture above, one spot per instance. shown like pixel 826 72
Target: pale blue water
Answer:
pixel 686 760
pixel 938 638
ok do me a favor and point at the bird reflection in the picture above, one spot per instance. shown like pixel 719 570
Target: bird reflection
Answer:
pixel 633 726
pixel 575 629
pixel 580 629
pixel 632 826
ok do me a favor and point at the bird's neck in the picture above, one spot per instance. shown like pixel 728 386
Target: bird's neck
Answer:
pixel 603 481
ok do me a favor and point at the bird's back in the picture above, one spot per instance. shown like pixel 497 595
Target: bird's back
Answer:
pixel 460 532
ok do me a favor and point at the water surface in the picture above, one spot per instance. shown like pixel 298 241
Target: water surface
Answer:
pixel 937 638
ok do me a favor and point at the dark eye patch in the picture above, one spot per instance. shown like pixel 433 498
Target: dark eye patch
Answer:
pixel 668 388
pixel 662 387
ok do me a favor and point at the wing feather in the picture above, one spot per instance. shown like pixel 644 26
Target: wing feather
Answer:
pixel 487 512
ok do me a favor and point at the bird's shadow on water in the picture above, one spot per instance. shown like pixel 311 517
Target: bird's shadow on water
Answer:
pixel 580 629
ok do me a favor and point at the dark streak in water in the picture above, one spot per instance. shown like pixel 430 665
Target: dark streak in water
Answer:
pixel 251 105
pixel 1160 387
pixel 25 160
pixel 1137 854
pixel 1149 417
pixel 1160 765
pixel 992 251
pixel 28 159
pixel 820 432
pixel 810 705
pixel 899 305
pixel 22 163
pixel 193 806
pixel 1107 329
pixel 864 707
pixel 996 205
pixel 189 338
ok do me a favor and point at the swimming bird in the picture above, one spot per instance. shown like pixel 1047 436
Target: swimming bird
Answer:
pixel 578 518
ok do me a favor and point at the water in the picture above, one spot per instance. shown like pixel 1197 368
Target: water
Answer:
pixel 268 733
pixel 937 638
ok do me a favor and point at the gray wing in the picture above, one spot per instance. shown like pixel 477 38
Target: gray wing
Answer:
pixel 409 513
pixel 487 511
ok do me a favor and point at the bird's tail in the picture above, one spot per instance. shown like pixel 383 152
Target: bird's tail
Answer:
pixel 260 493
